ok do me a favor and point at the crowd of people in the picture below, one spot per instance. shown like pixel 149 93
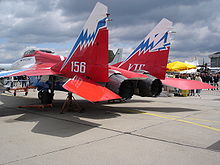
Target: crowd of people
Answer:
pixel 210 78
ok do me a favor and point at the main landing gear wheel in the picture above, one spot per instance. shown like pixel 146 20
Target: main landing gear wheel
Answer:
pixel 45 97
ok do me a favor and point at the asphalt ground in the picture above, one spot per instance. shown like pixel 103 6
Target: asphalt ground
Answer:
pixel 162 130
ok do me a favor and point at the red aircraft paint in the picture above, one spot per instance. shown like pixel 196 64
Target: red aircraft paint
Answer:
pixel 153 62
pixel 90 61
pixel 185 84
pixel 89 90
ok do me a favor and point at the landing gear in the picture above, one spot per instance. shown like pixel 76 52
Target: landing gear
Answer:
pixel 40 95
pixel 45 97
pixel 46 100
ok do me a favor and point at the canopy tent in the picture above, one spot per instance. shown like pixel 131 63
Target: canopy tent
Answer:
pixel 179 66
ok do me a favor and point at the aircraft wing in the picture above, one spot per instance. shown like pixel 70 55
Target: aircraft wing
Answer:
pixel 36 70
pixel 28 72
pixel 185 84
pixel 89 90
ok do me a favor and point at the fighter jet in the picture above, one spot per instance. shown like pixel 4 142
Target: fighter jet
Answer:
pixel 84 72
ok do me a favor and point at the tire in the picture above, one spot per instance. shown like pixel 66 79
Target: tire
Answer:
pixel 46 97
pixel 40 94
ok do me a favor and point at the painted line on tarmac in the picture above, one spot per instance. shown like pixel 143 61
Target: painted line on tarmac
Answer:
pixel 204 120
pixel 191 118
pixel 176 119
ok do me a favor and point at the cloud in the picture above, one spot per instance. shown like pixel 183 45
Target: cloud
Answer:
pixel 57 23
pixel 10 52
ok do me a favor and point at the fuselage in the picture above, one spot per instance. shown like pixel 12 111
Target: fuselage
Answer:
pixel 40 59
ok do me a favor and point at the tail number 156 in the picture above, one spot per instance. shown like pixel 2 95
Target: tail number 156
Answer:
pixel 79 67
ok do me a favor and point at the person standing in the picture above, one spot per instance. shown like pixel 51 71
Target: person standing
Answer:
pixel 215 80
pixel 192 91
pixel 198 78
pixel 211 80
pixel 207 78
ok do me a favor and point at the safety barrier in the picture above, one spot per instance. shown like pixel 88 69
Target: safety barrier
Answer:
pixel 16 83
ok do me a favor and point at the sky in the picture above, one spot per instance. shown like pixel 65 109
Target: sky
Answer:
pixel 55 25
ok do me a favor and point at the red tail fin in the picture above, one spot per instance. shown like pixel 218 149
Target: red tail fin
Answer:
pixel 89 55
pixel 152 53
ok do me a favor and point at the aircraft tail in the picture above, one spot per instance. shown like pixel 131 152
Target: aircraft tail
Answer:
pixel 89 55
pixel 118 57
pixel 152 53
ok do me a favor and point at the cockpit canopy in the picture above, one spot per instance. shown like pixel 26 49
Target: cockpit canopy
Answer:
pixel 31 52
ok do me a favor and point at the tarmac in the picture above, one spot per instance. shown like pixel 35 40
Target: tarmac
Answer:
pixel 153 131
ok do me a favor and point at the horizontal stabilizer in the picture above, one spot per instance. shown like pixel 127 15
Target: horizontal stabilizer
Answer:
pixel 185 84
pixel 89 90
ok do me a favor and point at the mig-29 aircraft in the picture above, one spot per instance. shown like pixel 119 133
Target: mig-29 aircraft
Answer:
pixel 87 63
pixel 86 72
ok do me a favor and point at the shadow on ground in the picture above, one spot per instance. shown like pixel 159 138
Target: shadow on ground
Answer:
pixel 49 121
pixel 215 146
